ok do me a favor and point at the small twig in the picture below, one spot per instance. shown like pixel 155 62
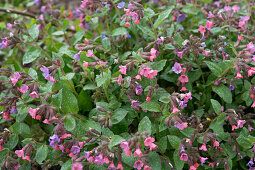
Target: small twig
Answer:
pixel 18 12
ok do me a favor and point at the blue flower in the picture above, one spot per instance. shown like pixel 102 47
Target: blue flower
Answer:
pixel 121 4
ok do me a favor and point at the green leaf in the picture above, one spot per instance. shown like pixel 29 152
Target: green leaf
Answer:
pixel 69 123
pixel 216 70
pixel 145 125
pixel 68 76
pixel 67 165
pixel 119 31
pixel 244 142
pixel 151 106
pixel 206 1
pixel 223 92
pixel 148 13
pixel 174 141
pixel 162 16
pixel 31 54
pixel 13 141
pixel 89 86
pixel 3 154
pixel 177 162
pixel 33 73
pixel 20 128
pixel 34 31
pixel 162 143
pixel 100 80
pixel 22 114
pixel 158 65
pixel 106 43
pixel 69 102
pixel 190 9
pixel 216 106
pixel 104 11
pixel 118 115
pixel 154 161
pixel 41 154
pixel 78 36
pixel 146 30
pixel 58 33
pixel 115 140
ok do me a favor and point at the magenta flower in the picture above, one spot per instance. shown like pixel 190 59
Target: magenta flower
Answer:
pixel 4 43
pixel 203 147
pixel 99 159
pixel 184 157
pixel 138 89
pixel 201 29
pixel 33 95
pixel 120 166
pixel 149 142
pixel 146 167
pixel 206 52
pixel 209 25
pixel 85 64
pixel 177 68
pixel 90 53
pixel 123 69
pixel 216 143
pixel 181 126
pixel 33 112
pixel 112 166
pixel 202 160
pixel 75 149
pixel 119 80
pixel 77 166
pixel 15 78
pixel 138 164
pixel 20 153
pixel 138 152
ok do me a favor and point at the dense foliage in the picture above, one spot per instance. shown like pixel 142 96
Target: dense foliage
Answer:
pixel 163 84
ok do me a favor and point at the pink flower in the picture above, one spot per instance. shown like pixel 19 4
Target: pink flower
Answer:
pixel 77 166
pixel 179 54
pixel 90 53
pixel 6 116
pixel 240 123
pixel 106 160
pixel 123 69
pixel 9 26
pixel 202 160
pixel 119 166
pixel 127 24
pixel 241 24
pixel 119 80
pixel 46 121
pixel 152 73
pixel 91 159
pixel 175 110
pixel 235 8
pixel 27 157
pixel 192 167
pixel 184 157
pixel 33 95
pixel 183 89
pixel 183 79
pixel 250 128
pixel 38 117
pixel 138 152
pixel 210 15
pixel 138 77
pixel 211 164
pixel 206 52
pixel 177 68
pixel 138 164
pixel 15 78
pixel 33 112
pixel 85 64
pixel 124 145
pixel 51 79
pixel 136 21
pixel 216 143
pixel 23 89
pixel 203 147
pixel 240 37
pixel 146 167
pixel 128 152
pixel 239 76
pixel 20 153
pixel 234 127
pixel 64 136
pixel 111 166
pixel 127 11
pixel 149 142
pixel 148 98
pixel 209 25
pixel 201 29
pixel 154 54
pixel 16 166
pixel 181 126
pixel 251 71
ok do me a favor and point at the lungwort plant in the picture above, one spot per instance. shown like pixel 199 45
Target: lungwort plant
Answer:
pixel 153 85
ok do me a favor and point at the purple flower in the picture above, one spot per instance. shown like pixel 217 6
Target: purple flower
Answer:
pixel 102 36
pixel 250 164
pixel 15 78
pixel 37 2
pixel 121 4
pixel 14 110
pixel 231 87
pixel 87 154
pixel 54 139
pixel 177 68
pixel 77 56
pixel 75 149
pixel 4 43
pixel 128 36
pixel 24 88
pixel 138 89
pixel 45 70
pixel 43 9
pixel 99 159
pixel 181 17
